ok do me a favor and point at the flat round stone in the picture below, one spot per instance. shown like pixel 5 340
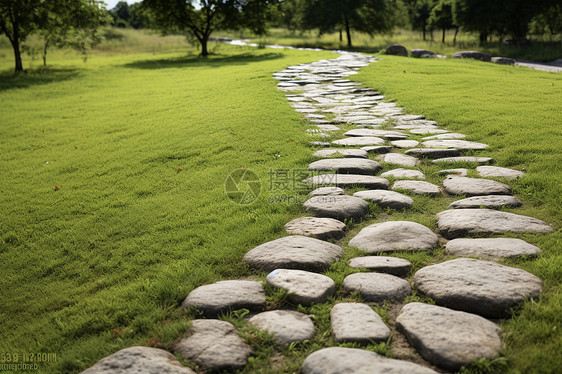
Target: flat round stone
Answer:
pixel 456 185
pixel 224 296
pixel 451 135
pixel 405 143
pixel 340 207
pixel 382 264
pixel 327 191
pixel 356 322
pixel 399 159
pixel 496 171
pixel 461 222
pixel 454 143
pixel 304 287
pixel 491 202
pixel 287 326
pixel 339 360
pixel 417 187
pixel 347 165
pixel 386 199
pixel 403 173
pixel 294 252
pixel 374 132
pixel 377 286
pixel 408 117
pixel 377 149
pixel 349 153
pixel 214 345
pixel 481 287
pixel 427 130
pixel 461 172
pixel 451 160
pixel 433 153
pixel 349 180
pixel 448 338
pixel 491 248
pixel 359 141
pixel 320 228
pixel 395 236
pixel 142 360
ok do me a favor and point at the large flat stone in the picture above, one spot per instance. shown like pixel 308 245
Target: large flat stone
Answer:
pixel 454 143
pixel 214 345
pixel 340 207
pixel 327 191
pixel 377 286
pixel 481 287
pixel 349 180
pixel 287 326
pixel 395 236
pixel 399 159
pixel 348 153
pixel 433 152
pixel 417 187
pixel 405 143
pixel 320 228
pixel 356 322
pixel 403 173
pixel 496 171
pixel 224 296
pixel 386 199
pixel 304 287
pixel 359 141
pixel 377 149
pixel 382 264
pixel 491 202
pixel 294 252
pixel 491 248
pixel 451 160
pixel 456 185
pixel 339 360
pixel 347 166
pixel 451 135
pixel 462 222
pixel 375 132
pixel 447 338
pixel 139 360
pixel 427 130
pixel 461 172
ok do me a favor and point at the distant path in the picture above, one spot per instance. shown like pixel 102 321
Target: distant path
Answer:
pixel 554 67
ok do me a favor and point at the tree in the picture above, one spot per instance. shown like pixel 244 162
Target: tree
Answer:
pixel 441 16
pixel 201 18
pixel 419 12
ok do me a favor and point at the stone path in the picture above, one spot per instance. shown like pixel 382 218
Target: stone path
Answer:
pixel 362 142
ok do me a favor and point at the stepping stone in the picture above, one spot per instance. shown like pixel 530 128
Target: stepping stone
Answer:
pixel 304 287
pixel 349 180
pixel 214 345
pixel 492 248
pixel 356 322
pixel 371 132
pixel 339 360
pixel 475 286
pixel 320 144
pixel 377 287
pixel 408 117
pixel 405 143
pixel 347 165
pixel 417 187
pixel 287 326
pixel 456 185
pixel 320 228
pixel 386 199
pixel 447 338
pixel 427 130
pixel 454 143
pixel 451 135
pixel 328 127
pixel 359 141
pixel 399 159
pixel 433 153
pixel 351 153
pixel 479 160
pixel 377 149
pixel 224 296
pixel 327 191
pixel 294 252
pixel 340 207
pixel 382 264
pixel 395 236
pixel 403 173
pixel 496 171
pixel 491 202
pixel 142 360
pixel 461 172
pixel 462 222
pixel 416 123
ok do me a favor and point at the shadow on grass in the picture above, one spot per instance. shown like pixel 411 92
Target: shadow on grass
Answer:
pixel 33 77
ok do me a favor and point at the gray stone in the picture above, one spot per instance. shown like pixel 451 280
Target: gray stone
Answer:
pixel 478 160
pixel 475 286
pixel 491 248
pixel 447 338
pixel 348 180
pixel 454 143
pixel 139 360
pixel 386 199
pixel 224 296
pixel 214 345
pixel 503 60
pixel 433 153
pixel 427 130
pixel 350 153
pixel 496 171
pixel 451 135
pixel 491 202
pixel 399 159
pixel 327 191
pixel 359 141
pixel 417 187
pixel 328 127
pixel 377 149
pixel 347 165
pixel 382 264
pixel 304 287
pixel 373 132
pixel 407 117
pixel 320 144
pixel 422 53
pixel 356 322
pixel 340 207
pixel 287 326
pixel 403 173
pixel 456 185
pixel 339 360
pixel 377 287
pixel 320 228
pixel 461 172
pixel 461 222
pixel 294 252
pixel 405 143
pixel 395 236
pixel 481 56
pixel 397 50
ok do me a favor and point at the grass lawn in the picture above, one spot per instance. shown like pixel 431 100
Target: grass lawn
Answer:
pixel 138 218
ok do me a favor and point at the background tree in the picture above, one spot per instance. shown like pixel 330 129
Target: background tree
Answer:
pixel 549 20
pixel 121 14
pixel 419 12
pixel 441 16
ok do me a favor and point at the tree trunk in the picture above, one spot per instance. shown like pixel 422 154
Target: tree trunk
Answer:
pixel 45 52
pixel 348 32
pixel 483 37
pixel 17 53
pixel 423 31
pixel 203 41
pixel 341 36
pixel 443 37
pixel 455 37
